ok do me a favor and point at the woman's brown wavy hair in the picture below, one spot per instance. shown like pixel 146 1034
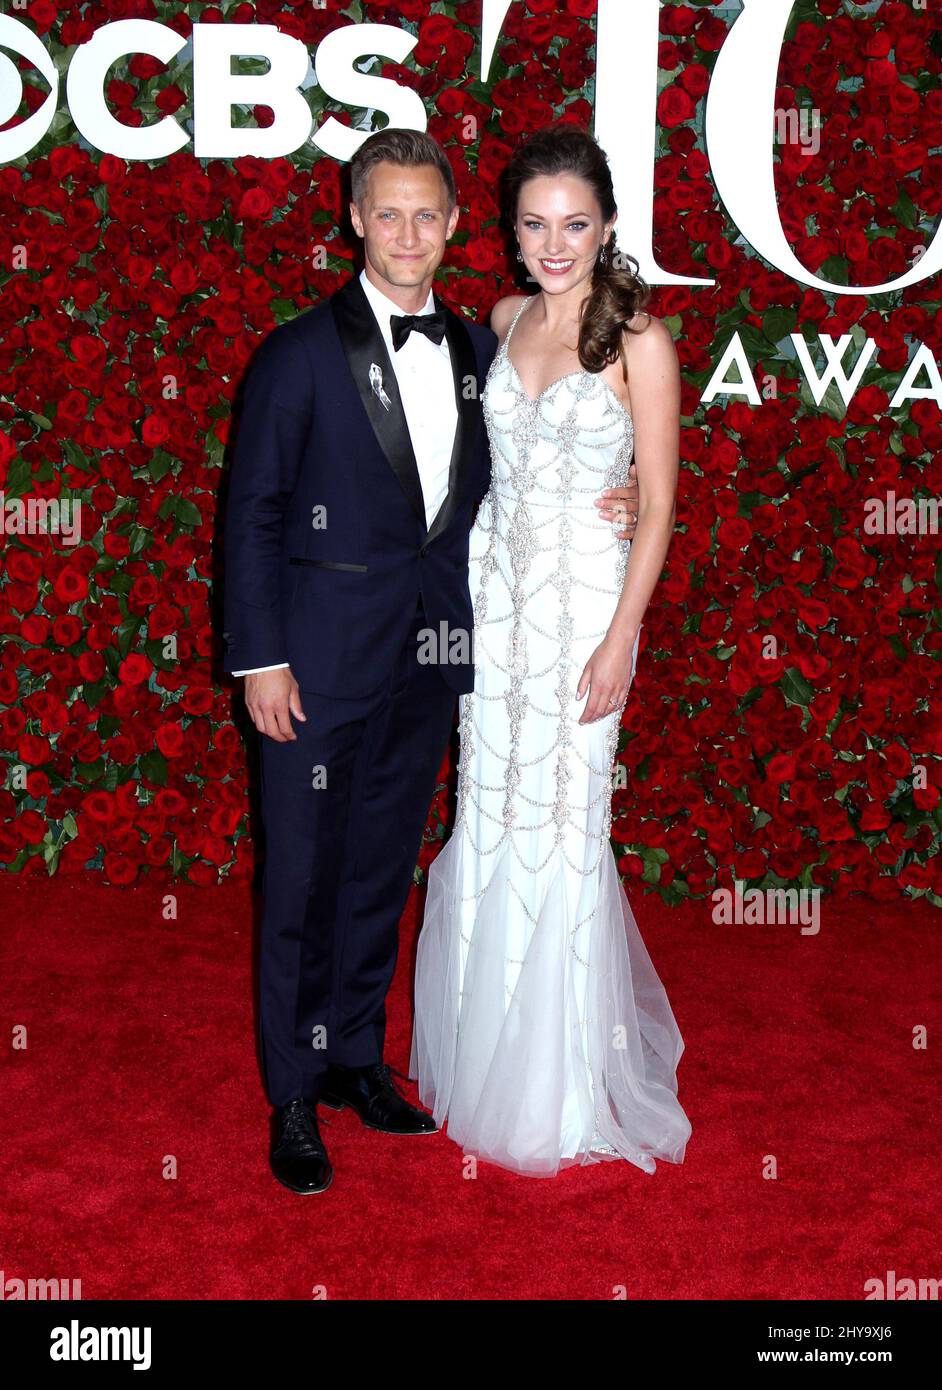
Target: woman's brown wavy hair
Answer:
pixel 617 293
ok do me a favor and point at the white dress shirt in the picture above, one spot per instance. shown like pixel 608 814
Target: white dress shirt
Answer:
pixel 426 385
pixel 427 389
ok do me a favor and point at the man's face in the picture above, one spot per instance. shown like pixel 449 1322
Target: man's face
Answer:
pixel 405 223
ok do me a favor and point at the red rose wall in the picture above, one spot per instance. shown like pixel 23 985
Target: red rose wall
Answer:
pixel 133 295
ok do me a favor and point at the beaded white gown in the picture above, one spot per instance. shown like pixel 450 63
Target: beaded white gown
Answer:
pixel 543 1035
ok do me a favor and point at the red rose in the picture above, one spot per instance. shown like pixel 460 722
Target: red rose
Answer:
pixel 35 629
pixel 9 687
pixel 170 739
pixel 71 585
pixel 100 807
pixel 30 828
pixel 91 666
pixel 120 869
pixel 674 106
pixel 255 203
pixel 134 669
pixel 695 79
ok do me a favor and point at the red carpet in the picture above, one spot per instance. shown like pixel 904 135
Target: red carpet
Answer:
pixel 141 1054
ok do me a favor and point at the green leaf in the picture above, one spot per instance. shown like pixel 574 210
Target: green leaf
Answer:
pixel 187 513
pixel 675 893
pixel 838 448
pixel 75 456
pixel 153 766
pixel 796 689
pixel 140 539
pixel 111 777
pixel 652 872
pixel 159 466
pixel 755 342
pixel 128 631
pixel 17 864
pixel 19 477
pixel 90 772
pixel 778 323
pixel 836 270
pixel 832 400
pixel 905 210
pixel 93 692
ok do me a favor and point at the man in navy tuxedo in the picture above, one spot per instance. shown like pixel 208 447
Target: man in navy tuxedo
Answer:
pixel 360 460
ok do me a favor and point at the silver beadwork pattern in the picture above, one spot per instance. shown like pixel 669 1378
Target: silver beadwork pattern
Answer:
pixel 550 458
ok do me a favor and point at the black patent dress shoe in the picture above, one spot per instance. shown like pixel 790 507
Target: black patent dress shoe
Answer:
pixel 371 1093
pixel 298 1156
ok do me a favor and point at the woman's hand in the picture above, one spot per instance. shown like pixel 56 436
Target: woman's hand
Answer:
pixel 607 677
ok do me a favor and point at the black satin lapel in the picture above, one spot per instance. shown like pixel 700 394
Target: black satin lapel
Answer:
pixel 464 371
pixel 363 345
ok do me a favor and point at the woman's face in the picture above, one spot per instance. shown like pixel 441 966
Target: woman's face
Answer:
pixel 560 228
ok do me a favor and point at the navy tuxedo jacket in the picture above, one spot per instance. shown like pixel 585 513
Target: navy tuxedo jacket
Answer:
pixel 316 445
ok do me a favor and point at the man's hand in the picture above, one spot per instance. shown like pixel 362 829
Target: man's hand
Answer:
pixel 271 697
pixel 620 504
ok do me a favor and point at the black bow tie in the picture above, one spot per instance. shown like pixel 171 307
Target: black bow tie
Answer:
pixel 432 325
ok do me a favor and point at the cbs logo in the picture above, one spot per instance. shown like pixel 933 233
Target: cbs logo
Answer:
pixel 216 90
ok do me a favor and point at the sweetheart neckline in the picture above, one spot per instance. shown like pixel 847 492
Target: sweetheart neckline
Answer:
pixel 596 376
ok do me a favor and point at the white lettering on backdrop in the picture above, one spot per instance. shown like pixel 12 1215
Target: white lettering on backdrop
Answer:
pixel 738 128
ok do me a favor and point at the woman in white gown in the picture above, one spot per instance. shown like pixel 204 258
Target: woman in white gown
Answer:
pixel 543 1035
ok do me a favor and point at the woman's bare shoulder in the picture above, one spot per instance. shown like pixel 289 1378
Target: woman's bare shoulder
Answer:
pixel 503 313
pixel 649 338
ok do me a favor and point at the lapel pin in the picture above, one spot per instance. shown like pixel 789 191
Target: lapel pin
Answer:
pixel 376 382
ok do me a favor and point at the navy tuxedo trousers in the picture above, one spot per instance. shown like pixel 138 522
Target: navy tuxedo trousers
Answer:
pixel 344 807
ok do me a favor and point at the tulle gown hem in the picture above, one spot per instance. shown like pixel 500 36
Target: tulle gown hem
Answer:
pixel 506 1056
